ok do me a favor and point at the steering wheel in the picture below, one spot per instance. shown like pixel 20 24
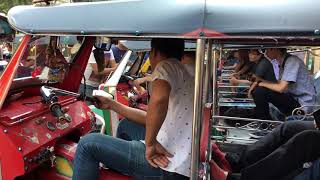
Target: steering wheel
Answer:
pixel 128 78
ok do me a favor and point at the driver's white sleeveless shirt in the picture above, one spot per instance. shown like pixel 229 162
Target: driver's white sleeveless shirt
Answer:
pixel 176 131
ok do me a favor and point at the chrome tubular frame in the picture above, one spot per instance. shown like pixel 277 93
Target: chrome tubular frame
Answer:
pixel 197 109
pixel 214 83
pixel 207 89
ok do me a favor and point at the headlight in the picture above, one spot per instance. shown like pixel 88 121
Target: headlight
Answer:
pixel 63 166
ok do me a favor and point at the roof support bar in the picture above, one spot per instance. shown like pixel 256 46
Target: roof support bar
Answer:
pixel 197 109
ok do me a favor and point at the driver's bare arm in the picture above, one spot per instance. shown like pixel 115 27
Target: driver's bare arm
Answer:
pixel 142 80
pixel 157 109
pixel 133 114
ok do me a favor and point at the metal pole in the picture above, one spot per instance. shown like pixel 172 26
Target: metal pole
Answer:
pixel 214 83
pixel 207 89
pixel 197 109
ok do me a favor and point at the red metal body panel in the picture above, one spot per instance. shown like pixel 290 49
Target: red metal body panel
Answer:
pixel 67 149
pixel 204 32
pixel 75 74
pixel 109 174
pixel 122 93
pixel 51 174
pixel 21 122
pixel 10 158
pixel 205 133
pixel 10 71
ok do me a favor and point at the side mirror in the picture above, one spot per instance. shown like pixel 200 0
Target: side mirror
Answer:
pixel 103 43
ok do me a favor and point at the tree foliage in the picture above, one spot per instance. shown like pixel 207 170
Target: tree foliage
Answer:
pixel 5 5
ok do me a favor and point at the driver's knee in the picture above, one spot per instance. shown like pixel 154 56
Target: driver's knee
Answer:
pixel 129 130
pixel 87 141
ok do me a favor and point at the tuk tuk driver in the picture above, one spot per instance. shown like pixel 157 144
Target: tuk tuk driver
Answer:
pixel 165 152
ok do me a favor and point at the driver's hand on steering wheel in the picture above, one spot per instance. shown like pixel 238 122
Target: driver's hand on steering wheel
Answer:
pixel 138 82
pixel 103 102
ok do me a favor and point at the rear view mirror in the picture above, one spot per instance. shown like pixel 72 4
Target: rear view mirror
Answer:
pixel 103 43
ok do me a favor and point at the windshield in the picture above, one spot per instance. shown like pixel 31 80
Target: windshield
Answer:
pixel 7 48
pixel 46 58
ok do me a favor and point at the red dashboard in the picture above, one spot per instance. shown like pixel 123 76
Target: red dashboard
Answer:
pixel 30 132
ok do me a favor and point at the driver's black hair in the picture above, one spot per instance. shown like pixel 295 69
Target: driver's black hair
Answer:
pixel 172 48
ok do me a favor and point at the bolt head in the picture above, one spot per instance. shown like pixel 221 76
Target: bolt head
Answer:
pixel 201 34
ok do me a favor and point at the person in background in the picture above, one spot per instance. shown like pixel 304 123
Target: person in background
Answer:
pixel 232 61
pixel 243 70
pixel 262 69
pixel 188 60
pixel 92 77
pixel 118 50
pixel 7 51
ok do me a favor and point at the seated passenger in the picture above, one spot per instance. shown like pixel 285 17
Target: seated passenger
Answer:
pixel 262 69
pixel 232 61
pixel 294 89
pixel 165 152
pixel 278 155
pixel 243 70
pixel 245 66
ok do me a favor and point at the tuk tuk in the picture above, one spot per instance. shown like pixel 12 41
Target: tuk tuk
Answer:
pixel 42 117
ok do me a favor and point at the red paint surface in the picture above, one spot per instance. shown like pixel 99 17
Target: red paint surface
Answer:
pixel 206 33
pixel 32 137
pixel 10 71
pixel 77 68
pixel 10 158
pixel 205 133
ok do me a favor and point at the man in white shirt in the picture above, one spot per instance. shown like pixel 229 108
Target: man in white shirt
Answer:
pixel 165 152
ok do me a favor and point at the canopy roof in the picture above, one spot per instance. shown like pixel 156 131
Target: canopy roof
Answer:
pixel 173 18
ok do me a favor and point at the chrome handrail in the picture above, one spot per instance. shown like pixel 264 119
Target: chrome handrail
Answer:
pixel 197 110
